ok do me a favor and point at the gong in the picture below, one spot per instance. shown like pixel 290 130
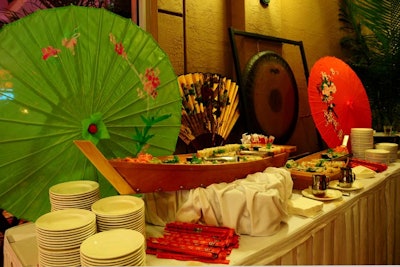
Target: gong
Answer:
pixel 271 96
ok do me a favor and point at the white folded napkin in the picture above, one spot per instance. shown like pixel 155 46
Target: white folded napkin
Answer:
pixel 363 172
pixel 304 206
pixel 256 205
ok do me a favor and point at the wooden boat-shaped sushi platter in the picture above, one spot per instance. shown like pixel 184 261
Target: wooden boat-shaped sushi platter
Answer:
pixel 302 179
pixel 135 177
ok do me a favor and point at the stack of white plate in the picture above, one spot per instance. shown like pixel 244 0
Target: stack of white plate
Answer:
pixel 74 194
pixel 60 234
pixel 377 155
pixel 391 147
pixel 361 140
pixel 117 247
pixel 122 211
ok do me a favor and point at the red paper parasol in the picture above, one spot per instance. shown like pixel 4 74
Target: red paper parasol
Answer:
pixel 337 99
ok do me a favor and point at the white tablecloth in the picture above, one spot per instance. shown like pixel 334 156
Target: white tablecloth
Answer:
pixel 363 228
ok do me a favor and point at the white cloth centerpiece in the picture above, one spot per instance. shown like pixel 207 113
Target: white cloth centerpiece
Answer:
pixel 255 205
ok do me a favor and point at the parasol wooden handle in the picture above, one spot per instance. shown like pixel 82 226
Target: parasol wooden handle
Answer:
pixel 104 167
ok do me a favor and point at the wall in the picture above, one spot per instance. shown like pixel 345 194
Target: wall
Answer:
pixel 195 36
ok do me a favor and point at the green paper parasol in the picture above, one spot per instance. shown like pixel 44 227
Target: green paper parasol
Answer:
pixel 73 73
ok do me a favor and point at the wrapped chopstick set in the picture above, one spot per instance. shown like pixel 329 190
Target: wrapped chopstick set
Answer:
pixel 194 242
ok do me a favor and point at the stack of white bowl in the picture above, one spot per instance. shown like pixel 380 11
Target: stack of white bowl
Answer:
pixel 118 247
pixel 377 155
pixel 74 194
pixel 60 234
pixel 361 140
pixel 122 211
pixel 391 147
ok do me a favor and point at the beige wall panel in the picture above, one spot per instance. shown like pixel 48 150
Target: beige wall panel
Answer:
pixel 171 5
pixel 264 20
pixel 316 23
pixel 170 38
pixel 208 48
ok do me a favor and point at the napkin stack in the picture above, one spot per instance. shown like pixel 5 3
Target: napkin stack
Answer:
pixel 304 206
pixel 363 172
pixel 255 205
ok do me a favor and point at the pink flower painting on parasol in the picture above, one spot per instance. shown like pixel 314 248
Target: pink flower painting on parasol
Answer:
pixel 337 99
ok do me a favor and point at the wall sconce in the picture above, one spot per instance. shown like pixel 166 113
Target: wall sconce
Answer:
pixel 264 3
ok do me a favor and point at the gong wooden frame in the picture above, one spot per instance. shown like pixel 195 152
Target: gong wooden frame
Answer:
pixel 244 106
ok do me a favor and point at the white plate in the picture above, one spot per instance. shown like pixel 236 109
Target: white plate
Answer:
pixel 128 260
pixel 355 186
pixel 90 195
pixel 74 188
pixel 331 194
pixel 73 204
pixel 128 217
pixel 84 198
pixel 376 151
pixel 70 263
pixel 62 220
pixel 362 131
pixel 59 257
pixel 117 243
pixel 66 233
pixel 118 205
pixel 64 241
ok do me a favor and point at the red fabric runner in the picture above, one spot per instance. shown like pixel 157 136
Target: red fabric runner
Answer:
pixel 375 166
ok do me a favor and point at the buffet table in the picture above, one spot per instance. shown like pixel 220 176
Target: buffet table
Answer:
pixel 363 228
